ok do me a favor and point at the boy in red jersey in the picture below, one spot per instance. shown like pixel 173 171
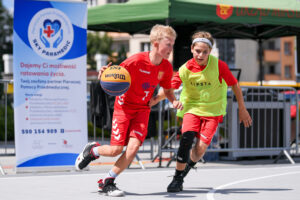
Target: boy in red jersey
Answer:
pixel 204 97
pixel 131 110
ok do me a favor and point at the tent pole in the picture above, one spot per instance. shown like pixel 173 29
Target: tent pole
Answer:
pixel 297 61
pixel 260 54
pixel 167 21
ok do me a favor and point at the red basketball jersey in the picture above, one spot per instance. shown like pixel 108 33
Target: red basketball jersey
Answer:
pixel 144 78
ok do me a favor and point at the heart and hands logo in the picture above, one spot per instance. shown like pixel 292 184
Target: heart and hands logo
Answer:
pixel 51 33
pixel 51 28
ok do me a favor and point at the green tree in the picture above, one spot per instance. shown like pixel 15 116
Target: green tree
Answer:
pixel 6 30
pixel 122 55
pixel 10 123
pixel 97 44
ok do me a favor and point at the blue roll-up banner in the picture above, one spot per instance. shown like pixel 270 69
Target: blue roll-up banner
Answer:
pixel 49 83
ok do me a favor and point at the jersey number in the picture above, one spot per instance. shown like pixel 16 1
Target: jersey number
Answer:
pixel 121 101
pixel 146 94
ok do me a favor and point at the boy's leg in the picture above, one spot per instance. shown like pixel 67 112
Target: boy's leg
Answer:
pixel 182 158
pixel 92 151
pixel 190 127
pixel 107 185
pixel 127 157
pixel 136 135
pixel 208 127
pixel 196 154
pixel 198 151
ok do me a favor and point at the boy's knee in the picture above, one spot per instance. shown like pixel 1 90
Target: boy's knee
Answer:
pixel 186 143
pixel 117 150
pixel 133 149
pixel 200 149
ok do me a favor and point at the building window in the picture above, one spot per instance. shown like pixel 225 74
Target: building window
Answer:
pixel 272 69
pixel 117 1
pixel 227 51
pixel 287 48
pixel 145 46
pixel 271 45
pixel 287 71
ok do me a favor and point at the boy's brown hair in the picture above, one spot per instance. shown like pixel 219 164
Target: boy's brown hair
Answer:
pixel 203 34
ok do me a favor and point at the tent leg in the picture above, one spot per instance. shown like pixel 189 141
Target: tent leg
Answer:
pixel 260 55
pixel 284 152
pixel 140 162
pixel 288 157
pixel 1 170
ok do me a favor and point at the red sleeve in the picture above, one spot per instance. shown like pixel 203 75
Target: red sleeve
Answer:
pixel 130 64
pixel 165 82
pixel 126 63
pixel 226 74
pixel 176 81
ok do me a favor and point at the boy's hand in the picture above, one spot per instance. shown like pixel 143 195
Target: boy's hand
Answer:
pixel 177 105
pixel 245 117
pixel 102 70
pixel 153 101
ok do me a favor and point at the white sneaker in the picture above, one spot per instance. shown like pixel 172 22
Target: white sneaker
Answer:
pixel 109 188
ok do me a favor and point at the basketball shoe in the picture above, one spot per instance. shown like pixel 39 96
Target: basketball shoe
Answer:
pixel 109 188
pixel 86 156
pixel 176 184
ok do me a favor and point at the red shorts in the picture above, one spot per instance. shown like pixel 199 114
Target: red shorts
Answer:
pixel 128 123
pixel 204 126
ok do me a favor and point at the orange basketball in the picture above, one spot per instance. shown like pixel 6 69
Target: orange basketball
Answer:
pixel 115 80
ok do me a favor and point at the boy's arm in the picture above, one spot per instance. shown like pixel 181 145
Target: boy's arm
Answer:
pixel 170 95
pixel 160 96
pixel 243 113
pixel 166 93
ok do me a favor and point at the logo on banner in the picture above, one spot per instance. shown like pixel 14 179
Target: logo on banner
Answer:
pixel 50 33
pixel 224 11
pixel 66 144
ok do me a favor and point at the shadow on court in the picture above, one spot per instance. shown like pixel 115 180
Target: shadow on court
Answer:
pixel 186 193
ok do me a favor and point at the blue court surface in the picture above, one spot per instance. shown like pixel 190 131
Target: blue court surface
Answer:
pixel 238 182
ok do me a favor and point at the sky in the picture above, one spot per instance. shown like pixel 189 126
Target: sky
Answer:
pixel 9 4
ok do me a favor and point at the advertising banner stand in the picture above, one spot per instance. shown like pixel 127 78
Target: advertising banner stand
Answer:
pixel 49 65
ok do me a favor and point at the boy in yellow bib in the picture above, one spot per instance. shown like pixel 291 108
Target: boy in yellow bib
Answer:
pixel 205 79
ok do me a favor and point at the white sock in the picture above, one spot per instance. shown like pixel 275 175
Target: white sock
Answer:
pixel 111 174
pixel 95 151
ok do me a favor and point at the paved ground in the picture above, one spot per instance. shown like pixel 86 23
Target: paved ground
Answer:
pixel 247 180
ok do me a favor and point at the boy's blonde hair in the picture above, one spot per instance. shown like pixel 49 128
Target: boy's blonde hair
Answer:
pixel 159 32
pixel 203 34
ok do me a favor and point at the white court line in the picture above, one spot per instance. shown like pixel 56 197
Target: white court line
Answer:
pixel 210 194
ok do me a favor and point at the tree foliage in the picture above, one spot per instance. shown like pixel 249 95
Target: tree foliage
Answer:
pixel 6 30
pixel 122 55
pixel 10 123
pixel 97 44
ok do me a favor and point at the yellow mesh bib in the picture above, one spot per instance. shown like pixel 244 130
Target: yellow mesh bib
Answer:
pixel 202 92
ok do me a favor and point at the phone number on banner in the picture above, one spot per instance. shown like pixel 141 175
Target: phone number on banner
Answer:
pixel 42 131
